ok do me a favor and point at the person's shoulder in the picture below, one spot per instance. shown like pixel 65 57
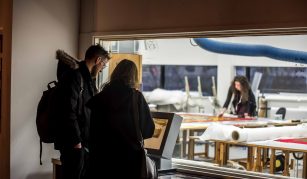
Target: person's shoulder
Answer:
pixel 251 94
pixel 250 91
pixel 139 94
pixel 70 73
pixel 103 96
pixel 70 77
pixel 136 91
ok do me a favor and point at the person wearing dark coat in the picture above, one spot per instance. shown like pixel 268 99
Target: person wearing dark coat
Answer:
pixel 113 138
pixel 243 99
pixel 75 88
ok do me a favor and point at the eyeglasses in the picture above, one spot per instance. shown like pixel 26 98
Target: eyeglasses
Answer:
pixel 105 62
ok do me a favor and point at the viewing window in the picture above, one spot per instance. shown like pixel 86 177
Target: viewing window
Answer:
pixel 278 79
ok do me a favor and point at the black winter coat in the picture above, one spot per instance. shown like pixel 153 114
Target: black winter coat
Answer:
pixel 112 126
pixel 74 119
pixel 241 107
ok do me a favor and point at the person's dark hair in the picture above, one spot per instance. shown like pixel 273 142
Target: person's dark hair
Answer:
pixel 245 87
pixel 127 72
pixel 96 51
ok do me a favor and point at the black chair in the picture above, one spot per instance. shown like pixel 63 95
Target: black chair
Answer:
pixel 282 111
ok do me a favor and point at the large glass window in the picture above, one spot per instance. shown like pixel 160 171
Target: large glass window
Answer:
pixel 166 63
pixel 151 77
pixel 172 77
pixel 278 79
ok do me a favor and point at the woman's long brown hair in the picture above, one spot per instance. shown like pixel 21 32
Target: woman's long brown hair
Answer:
pixel 127 72
pixel 245 87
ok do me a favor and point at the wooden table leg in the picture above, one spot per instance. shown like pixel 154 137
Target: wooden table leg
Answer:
pixel 217 153
pixel 207 149
pixel 223 153
pixel 265 157
pixel 258 167
pixel 272 161
pixel 191 149
pixel 255 159
pixel 250 158
pixel 304 165
pixel 286 164
pixel 54 171
pixel 56 164
pixel 226 153
pixel 184 144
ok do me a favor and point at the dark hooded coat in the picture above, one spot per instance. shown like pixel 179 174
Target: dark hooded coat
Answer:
pixel 112 131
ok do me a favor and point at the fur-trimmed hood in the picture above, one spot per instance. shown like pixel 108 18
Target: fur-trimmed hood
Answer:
pixel 72 62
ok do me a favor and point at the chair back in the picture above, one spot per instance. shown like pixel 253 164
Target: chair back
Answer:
pixel 282 111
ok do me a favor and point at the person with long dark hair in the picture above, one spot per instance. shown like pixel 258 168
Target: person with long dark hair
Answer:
pixel 243 99
pixel 112 131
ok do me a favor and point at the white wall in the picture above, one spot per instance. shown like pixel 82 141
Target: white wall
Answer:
pixel 181 52
pixel 39 29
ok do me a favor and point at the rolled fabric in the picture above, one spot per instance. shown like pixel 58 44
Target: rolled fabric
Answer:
pixel 218 132
pixel 269 133
pixel 240 135
pixel 232 133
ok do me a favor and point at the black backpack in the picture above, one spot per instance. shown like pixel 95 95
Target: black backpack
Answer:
pixel 46 114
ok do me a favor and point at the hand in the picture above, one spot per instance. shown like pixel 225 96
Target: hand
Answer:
pixel 78 146
pixel 95 70
pixel 223 110
pixel 246 115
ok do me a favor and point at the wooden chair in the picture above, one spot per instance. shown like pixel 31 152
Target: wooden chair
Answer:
pixel 282 111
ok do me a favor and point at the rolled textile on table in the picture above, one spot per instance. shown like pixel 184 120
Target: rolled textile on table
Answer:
pixel 232 133
pixel 218 132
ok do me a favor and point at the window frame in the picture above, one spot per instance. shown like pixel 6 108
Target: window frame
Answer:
pixel 178 163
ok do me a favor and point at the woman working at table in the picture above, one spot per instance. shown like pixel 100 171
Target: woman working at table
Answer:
pixel 243 99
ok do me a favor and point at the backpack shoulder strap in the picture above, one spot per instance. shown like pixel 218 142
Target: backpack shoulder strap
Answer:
pixel 40 151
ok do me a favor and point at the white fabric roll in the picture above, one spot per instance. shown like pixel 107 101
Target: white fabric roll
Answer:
pixel 218 132
pixel 231 133
pixel 240 135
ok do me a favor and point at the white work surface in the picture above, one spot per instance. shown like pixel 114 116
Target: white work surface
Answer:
pixel 281 145
pixel 258 121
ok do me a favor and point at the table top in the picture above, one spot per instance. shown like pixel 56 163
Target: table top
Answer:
pixel 196 121
pixel 270 144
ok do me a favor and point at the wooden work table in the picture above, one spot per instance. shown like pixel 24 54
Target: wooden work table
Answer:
pixel 193 123
pixel 256 151
pixel 257 154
